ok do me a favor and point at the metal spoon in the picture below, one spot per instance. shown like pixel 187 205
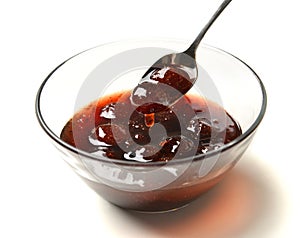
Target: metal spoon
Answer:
pixel 170 77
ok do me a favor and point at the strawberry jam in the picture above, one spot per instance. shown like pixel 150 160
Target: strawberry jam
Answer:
pixel 115 128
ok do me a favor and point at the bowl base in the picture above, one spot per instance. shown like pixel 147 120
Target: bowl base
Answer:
pixel 156 201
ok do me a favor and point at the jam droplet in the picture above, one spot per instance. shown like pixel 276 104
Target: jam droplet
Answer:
pixel 149 119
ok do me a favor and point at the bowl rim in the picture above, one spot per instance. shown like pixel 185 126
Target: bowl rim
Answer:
pixel 207 155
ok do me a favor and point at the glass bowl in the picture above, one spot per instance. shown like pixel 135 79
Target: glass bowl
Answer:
pixel 154 186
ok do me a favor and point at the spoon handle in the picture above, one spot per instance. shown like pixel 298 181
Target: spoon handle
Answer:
pixel 191 51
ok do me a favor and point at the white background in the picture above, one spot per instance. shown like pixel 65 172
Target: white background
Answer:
pixel 41 197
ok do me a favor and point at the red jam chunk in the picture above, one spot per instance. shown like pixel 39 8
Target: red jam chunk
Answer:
pixel 115 128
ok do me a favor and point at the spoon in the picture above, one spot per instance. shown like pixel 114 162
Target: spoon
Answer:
pixel 170 77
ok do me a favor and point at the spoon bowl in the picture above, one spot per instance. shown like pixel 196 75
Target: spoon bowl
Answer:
pixel 165 82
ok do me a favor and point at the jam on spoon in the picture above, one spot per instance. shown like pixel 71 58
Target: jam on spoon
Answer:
pixel 170 77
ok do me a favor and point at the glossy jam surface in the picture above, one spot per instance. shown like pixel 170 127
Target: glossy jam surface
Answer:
pixel 160 88
pixel 115 128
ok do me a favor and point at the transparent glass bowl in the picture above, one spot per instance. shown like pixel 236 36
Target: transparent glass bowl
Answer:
pixel 155 186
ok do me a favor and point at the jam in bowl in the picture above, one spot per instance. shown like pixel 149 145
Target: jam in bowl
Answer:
pixel 137 157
